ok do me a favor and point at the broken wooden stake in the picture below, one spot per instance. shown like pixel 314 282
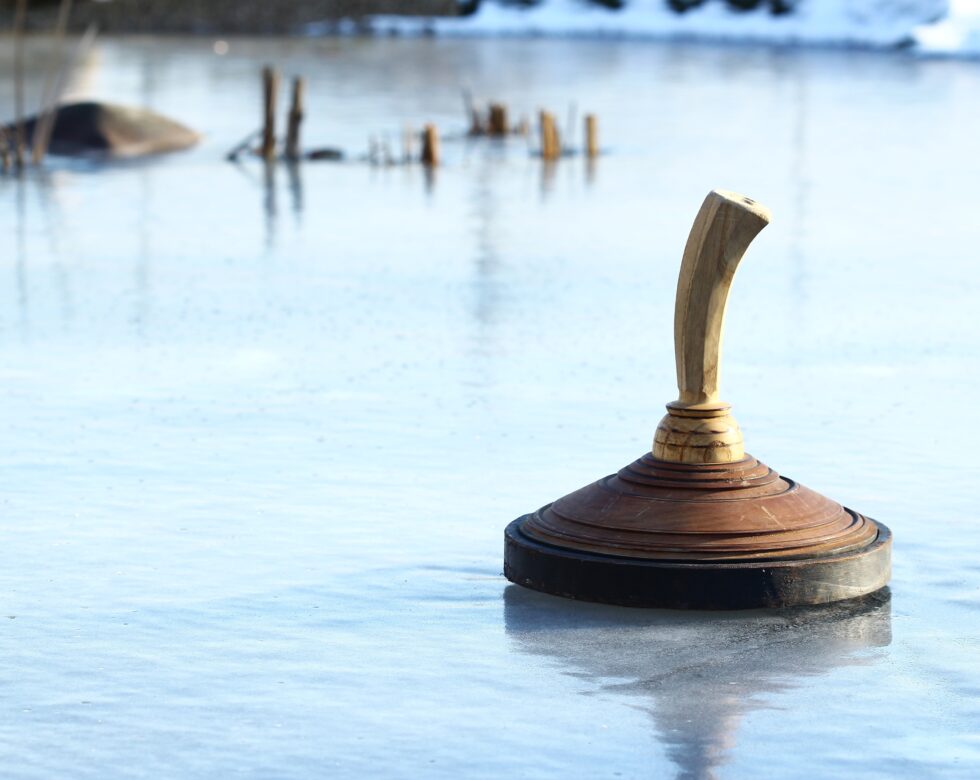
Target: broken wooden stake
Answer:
pixel 295 119
pixel 430 146
pixel 497 120
pixel 550 142
pixel 591 136
pixel 242 145
pixel 476 124
pixel 270 91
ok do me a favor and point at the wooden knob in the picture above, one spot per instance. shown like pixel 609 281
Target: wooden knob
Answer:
pixel 698 428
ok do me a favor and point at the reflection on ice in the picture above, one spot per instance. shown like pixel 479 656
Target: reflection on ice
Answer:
pixel 697 673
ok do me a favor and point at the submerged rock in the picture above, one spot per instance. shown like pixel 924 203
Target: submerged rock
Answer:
pixel 114 131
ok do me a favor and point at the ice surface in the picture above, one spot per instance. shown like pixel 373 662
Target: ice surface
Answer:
pixel 262 433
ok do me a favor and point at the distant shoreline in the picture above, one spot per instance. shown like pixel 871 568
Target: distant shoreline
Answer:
pixel 226 17
pixel 935 28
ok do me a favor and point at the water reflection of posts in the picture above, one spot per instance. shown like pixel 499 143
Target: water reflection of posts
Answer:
pixel 799 310
pixel 141 318
pixel 295 187
pixel 548 169
pixel 485 213
pixel 429 174
pixel 699 673
pixel 21 268
pixel 269 202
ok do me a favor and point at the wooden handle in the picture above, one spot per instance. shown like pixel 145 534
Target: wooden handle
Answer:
pixel 722 231
pixel 698 427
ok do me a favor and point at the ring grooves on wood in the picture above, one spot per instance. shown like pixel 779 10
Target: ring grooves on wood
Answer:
pixel 672 511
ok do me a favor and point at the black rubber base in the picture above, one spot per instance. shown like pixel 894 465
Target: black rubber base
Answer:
pixel 640 582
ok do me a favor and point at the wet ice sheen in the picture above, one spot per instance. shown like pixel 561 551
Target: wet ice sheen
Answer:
pixel 262 435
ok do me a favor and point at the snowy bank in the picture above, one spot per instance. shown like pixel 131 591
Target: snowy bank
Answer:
pixel 957 35
pixel 866 23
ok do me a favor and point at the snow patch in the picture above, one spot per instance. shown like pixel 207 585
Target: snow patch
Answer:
pixel 868 23
pixel 958 35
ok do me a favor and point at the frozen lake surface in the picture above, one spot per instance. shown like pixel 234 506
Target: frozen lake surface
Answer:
pixel 262 433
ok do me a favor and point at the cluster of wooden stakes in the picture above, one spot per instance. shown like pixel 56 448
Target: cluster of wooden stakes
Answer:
pixel 495 122
pixel 492 122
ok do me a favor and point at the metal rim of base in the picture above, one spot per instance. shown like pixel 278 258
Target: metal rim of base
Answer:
pixel 749 584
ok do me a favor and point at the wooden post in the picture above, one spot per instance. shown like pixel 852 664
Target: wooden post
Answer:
pixel 430 146
pixel 497 124
pixel 295 119
pixel 591 136
pixel 550 142
pixel 270 91
pixel 555 141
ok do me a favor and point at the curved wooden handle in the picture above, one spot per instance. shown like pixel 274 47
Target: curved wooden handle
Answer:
pixel 722 231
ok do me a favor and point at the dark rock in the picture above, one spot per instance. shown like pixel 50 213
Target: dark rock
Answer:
pixel 111 130
pixel 325 154
pixel 681 6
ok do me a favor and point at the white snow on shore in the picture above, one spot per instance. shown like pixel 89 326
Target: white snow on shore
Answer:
pixel 935 27
pixel 876 23
pixel 957 35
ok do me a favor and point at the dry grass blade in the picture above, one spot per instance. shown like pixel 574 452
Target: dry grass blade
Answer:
pixel 20 15
pixel 49 96
pixel 45 123
pixel 4 151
